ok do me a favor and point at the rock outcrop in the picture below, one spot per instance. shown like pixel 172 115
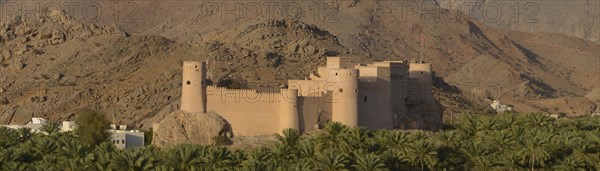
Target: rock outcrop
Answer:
pixel 190 128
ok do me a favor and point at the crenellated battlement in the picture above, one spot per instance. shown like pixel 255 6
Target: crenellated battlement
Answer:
pixel 197 65
pixel 420 67
pixel 342 72
pixel 243 95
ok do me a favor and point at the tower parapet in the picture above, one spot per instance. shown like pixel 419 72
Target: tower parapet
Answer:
pixel 193 91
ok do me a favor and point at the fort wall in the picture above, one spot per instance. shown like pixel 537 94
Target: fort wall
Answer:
pixel 247 111
pixel 314 111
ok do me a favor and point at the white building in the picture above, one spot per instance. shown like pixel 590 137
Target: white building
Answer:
pixel 496 105
pixel 123 138
pixel 68 126
pixel 35 124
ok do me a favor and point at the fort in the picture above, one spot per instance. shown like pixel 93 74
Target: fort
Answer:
pixel 370 95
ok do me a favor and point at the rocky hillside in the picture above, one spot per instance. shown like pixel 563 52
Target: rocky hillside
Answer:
pixel 54 65
pixel 573 18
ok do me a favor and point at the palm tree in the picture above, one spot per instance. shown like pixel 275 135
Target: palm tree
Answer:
pixel 334 137
pixel 482 163
pixel 218 157
pixel 25 134
pixel 534 150
pixel 238 156
pixel 367 162
pixel 508 120
pixel 359 138
pixel 582 151
pixel 8 155
pixel 423 154
pixel 283 155
pixel 570 164
pixel 418 136
pixel 539 120
pixel 303 164
pixel 72 149
pixel 8 137
pixel 101 160
pixel 502 141
pixel 133 160
pixel 181 157
pixel 258 159
pixel 508 161
pixel 290 139
pixel 330 160
pixel 394 159
pixel 39 147
pixel 307 149
pixel 473 150
pixel 488 123
pixel 468 125
pixel 50 128
pixel 392 139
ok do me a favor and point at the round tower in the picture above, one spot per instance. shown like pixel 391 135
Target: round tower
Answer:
pixel 288 117
pixel 345 95
pixel 193 91
pixel 421 77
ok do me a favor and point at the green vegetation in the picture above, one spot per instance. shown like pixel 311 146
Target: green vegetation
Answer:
pixel 92 127
pixel 497 142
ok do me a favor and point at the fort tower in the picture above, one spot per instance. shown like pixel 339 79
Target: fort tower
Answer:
pixel 344 85
pixel 288 117
pixel 420 75
pixel 193 91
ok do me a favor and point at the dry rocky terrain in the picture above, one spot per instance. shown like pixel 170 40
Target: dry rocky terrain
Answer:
pixel 54 65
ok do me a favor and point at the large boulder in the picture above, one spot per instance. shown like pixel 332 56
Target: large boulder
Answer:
pixel 180 127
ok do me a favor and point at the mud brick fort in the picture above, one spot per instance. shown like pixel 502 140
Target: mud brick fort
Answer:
pixel 370 95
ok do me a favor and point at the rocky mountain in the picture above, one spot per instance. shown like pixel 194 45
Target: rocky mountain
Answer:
pixel 579 18
pixel 55 64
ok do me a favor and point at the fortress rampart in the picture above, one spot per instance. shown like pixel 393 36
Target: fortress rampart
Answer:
pixel 370 95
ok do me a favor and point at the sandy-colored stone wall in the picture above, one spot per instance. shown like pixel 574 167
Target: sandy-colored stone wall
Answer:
pixel 247 111
pixel 314 111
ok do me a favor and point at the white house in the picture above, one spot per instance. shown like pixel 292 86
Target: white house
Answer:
pixel 496 105
pixel 123 138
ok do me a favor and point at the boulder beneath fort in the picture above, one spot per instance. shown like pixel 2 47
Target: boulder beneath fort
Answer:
pixel 180 127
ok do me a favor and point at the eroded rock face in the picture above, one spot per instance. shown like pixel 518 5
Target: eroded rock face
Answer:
pixel 190 128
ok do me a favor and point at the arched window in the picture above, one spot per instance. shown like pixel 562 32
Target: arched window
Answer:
pixel 341 90
pixel 365 99
pixel 188 82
